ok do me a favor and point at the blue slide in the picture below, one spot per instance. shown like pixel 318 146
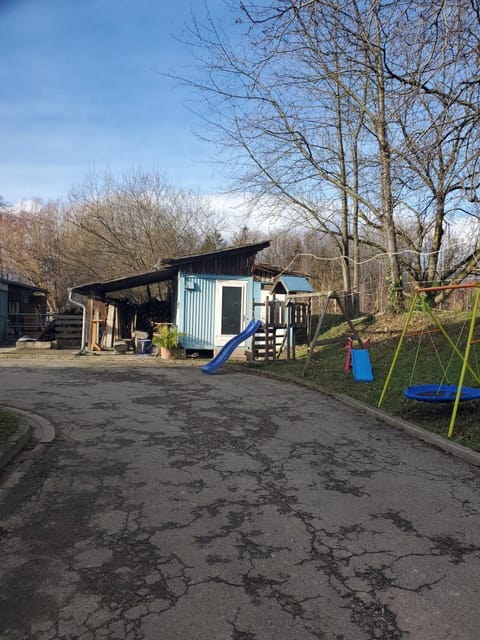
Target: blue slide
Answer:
pixel 361 365
pixel 226 351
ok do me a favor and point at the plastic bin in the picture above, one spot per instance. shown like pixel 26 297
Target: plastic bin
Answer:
pixel 143 346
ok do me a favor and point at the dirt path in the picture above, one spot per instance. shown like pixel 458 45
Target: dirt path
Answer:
pixel 178 506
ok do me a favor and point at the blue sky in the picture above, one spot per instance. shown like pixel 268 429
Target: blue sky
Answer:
pixel 82 91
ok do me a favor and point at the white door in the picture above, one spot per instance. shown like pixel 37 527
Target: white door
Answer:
pixel 230 310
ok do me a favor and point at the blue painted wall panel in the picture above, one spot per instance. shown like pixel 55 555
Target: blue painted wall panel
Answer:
pixel 198 312
pixel 196 308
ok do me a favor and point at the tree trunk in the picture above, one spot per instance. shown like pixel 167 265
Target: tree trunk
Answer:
pixel 395 288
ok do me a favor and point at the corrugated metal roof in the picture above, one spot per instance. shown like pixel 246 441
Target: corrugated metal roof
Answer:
pixel 127 282
pixel 293 284
pixel 22 285
pixel 251 248
pixel 167 269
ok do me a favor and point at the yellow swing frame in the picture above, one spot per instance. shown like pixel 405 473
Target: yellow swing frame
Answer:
pixel 419 297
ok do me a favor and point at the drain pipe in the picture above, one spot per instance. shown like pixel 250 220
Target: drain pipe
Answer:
pixel 83 347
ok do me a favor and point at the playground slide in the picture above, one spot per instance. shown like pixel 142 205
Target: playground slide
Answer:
pixel 226 351
pixel 361 365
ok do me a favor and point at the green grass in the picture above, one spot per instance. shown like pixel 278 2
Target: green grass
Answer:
pixel 433 358
pixel 9 424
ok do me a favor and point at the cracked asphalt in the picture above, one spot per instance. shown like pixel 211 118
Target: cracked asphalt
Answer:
pixel 178 506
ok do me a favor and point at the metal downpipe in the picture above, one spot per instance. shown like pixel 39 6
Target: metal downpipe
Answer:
pixel 83 346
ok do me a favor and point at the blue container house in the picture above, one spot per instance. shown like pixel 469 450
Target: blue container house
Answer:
pixel 211 299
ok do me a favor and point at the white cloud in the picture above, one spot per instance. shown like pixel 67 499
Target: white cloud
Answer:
pixel 240 210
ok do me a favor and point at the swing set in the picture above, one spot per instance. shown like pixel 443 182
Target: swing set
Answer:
pixel 442 391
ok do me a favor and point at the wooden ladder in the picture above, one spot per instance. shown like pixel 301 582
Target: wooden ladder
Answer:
pixel 267 343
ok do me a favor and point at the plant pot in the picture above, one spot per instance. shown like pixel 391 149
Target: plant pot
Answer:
pixel 166 353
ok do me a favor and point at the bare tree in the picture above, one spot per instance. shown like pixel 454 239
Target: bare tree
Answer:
pixel 127 225
pixel 292 100
pixel 109 228
pixel 31 248
pixel 437 51
pixel 317 101
pixel 438 151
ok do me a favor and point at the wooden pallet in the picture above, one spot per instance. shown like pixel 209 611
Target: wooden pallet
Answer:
pixel 68 331
pixel 267 345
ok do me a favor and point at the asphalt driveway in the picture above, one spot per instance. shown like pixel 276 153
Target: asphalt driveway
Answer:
pixel 177 506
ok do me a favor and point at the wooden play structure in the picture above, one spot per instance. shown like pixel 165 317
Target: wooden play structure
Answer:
pixel 281 320
pixel 442 390
pixel 284 317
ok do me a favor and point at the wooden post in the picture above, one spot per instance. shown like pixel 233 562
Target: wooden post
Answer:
pixel 288 311
pixel 293 329
pixel 317 332
pixel 88 320
pixel 268 314
pixel 347 318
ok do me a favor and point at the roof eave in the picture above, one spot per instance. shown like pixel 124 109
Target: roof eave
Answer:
pixel 126 282
pixel 252 248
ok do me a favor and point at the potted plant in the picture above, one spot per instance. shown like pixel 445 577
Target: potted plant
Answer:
pixel 167 339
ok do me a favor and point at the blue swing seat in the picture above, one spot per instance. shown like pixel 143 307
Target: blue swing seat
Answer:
pixel 440 393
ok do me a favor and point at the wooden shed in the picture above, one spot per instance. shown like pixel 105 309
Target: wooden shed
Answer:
pixel 22 310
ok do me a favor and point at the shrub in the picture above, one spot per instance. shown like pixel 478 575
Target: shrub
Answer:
pixel 168 337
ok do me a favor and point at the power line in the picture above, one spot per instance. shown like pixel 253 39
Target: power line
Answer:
pixel 382 254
